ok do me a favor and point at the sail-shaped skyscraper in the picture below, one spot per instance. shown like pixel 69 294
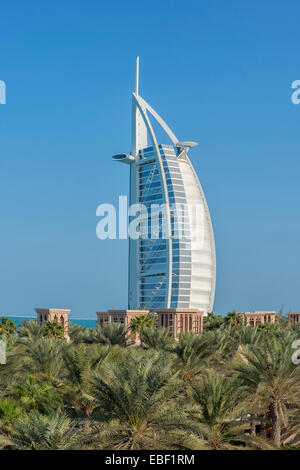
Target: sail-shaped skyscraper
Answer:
pixel 167 271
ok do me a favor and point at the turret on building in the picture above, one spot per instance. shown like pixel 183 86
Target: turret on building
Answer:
pixel 55 314
pixel 258 317
pixel 124 317
pixel 294 317
pixel 181 320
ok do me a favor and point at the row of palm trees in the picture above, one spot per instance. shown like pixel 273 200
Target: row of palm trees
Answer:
pixel 231 387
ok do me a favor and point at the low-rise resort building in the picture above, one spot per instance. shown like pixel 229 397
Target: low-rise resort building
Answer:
pixel 179 320
pixel 258 317
pixel 294 317
pixel 124 317
pixel 55 314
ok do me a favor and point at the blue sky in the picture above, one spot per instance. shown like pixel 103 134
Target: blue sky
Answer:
pixel 219 72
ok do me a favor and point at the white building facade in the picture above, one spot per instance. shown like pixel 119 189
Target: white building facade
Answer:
pixel 175 265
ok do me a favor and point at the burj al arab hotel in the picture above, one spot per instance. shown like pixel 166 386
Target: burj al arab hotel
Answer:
pixel 167 272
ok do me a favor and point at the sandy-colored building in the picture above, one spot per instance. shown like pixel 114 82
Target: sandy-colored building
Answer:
pixel 294 317
pixel 124 317
pixel 179 320
pixel 258 317
pixel 55 314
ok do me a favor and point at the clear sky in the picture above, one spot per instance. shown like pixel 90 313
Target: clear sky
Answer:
pixel 219 72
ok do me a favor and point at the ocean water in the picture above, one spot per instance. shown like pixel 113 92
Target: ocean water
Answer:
pixel 82 322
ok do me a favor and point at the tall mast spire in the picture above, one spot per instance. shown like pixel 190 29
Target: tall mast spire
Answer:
pixel 137 75
pixel 139 129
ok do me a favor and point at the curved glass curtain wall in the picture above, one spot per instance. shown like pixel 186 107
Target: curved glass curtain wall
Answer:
pixel 153 252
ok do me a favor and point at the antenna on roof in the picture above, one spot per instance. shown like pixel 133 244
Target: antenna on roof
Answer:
pixel 137 75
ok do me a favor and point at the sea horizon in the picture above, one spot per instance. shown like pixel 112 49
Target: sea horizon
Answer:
pixel 86 322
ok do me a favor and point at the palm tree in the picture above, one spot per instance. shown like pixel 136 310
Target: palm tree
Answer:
pixel 110 333
pixel 233 319
pixel 53 329
pixel 157 338
pixel 135 394
pixel 213 322
pixel 9 410
pixel 217 401
pixel 248 335
pixel 32 395
pixel 31 329
pixel 45 358
pixel 244 338
pixel 224 346
pixel 272 381
pixel 281 320
pixel 5 443
pixel 142 321
pixel 37 431
pixel 80 360
pixel 79 334
pixel 7 327
pixel 192 351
